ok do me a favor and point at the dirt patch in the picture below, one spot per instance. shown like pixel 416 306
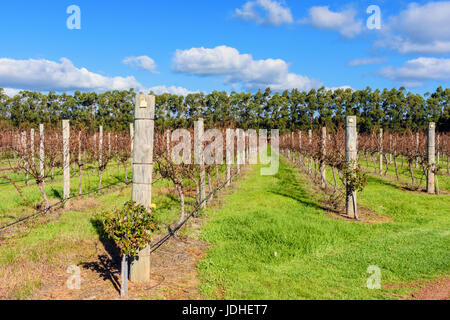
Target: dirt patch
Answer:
pixel 365 216
pixel 173 275
pixel 437 289
pixel 81 204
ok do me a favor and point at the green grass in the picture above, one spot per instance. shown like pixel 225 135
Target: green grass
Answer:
pixel 319 257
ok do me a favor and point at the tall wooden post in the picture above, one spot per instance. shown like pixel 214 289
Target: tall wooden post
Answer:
pixel 431 153
pixel 32 145
pixel 131 137
pixel 41 150
pixel 100 146
pixel 300 146
pixel 351 153
pixel 144 116
pixel 380 150
pixel 229 154
pixel 199 159
pixel 417 148
pixel 323 180
pixel 24 152
pixel 438 151
pixel 310 157
pixel 293 146
pixel 66 158
pixel 80 168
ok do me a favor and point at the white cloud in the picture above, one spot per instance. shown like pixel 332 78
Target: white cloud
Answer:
pixel 341 87
pixel 49 75
pixel 141 62
pixel 420 29
pixel 240 68
pixel 172 89
pixel 344 22
pixel 273 13
pixel 415 71
pixel 365 61
pixel 11 92
pixel 45 75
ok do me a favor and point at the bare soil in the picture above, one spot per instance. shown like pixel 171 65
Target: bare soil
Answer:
pixel 436 289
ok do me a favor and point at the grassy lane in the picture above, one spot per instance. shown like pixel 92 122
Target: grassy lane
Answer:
pixel 272 240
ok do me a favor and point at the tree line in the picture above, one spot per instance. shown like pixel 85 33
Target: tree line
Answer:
pixel 394 109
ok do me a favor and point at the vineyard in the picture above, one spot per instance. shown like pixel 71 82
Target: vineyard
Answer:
pixel 233 197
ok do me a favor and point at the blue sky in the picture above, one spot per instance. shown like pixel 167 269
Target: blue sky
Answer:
pixel 204 45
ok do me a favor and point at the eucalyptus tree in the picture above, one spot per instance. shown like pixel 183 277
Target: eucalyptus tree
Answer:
pixel 416 113
pixel 375 113
pixel 324 108
pixel 311 102
pixel 4 110
pixel 298 111
pixel 338 99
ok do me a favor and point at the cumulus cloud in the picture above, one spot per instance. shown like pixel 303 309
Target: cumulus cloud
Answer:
pixel 265 12
pixel 415 71
pixel 49 75
pixel 344 22
pixel 45 75
pixel 237 68
pixel 420 29
pixel 141 62
pixel 365 61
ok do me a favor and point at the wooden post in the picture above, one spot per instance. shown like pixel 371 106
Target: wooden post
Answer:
pixel 240 148
pixel 80 167
pixel 351 153
pixel 144 116
pixel 292 146
pixel 100 146
pixel 199 159
pixel 380 150
pixel 300 146
pixel 66 158
pixel 438 153
pixel 24 153
pixel 390 148
pixel 229 154
pixel 431 157
pixel 310 157
pixel 131 137
pixel 32 145
pixel 41 150
pixel 323 180
pixel 417 148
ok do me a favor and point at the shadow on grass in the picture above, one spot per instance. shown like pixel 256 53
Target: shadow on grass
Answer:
pixel 57 194
pixel 288 186
pixel 107 265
